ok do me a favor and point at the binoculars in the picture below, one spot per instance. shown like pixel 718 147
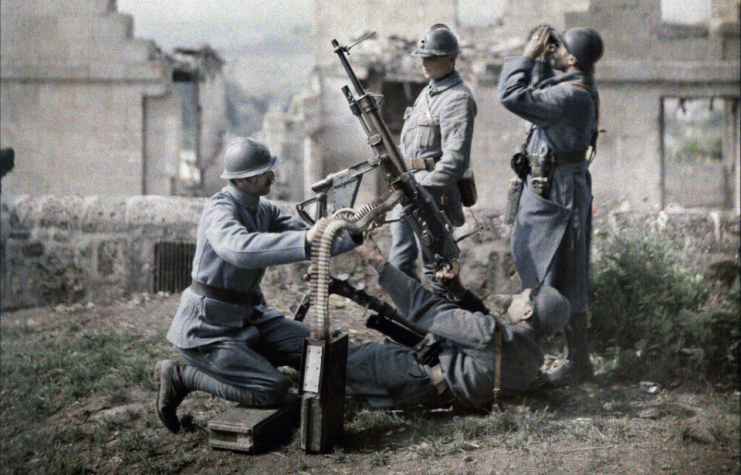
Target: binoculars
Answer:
pixel 552 39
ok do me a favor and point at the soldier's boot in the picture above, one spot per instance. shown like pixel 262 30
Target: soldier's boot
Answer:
pixel 577 367
pixel 177 380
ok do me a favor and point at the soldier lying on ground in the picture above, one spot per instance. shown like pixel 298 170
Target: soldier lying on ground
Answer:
pixel 232 340
pixel 456 362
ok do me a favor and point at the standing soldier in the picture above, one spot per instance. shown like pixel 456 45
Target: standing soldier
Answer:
pixel 435 142
pixel 552 230
pixel 232 340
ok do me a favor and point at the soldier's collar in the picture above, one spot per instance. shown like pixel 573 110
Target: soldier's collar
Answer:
pixel 437 86
pixel 244 199
pixel 576 76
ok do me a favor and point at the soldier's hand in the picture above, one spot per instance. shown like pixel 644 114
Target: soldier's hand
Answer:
pixel 450 277
pixel 370 252
pixel 313 231
pixel 538 43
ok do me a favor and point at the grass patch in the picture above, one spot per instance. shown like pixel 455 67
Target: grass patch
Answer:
pixel 436 435
pixel 44 374
pixel 654 318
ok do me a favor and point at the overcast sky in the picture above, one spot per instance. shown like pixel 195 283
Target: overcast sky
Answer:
pixel 224 23
pixel 219 23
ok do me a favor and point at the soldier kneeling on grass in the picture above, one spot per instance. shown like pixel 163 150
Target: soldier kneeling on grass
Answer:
pixel 467 355
pixel 232 340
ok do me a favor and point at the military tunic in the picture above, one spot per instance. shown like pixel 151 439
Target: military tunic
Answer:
pixel 453 110
pixel 550 239
pixel 238 236
pixel 389 375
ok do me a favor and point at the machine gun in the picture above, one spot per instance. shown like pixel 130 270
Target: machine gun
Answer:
pixel 432 227
pixel 322 377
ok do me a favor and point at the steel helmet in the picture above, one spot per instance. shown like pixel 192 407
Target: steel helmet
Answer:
pixel 247 157
pixel 437 41
pixel 584 43
pixel 552 311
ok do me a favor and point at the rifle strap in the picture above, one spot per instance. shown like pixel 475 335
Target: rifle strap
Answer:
pixel 596 131
pixel 429 117
pixel 498 363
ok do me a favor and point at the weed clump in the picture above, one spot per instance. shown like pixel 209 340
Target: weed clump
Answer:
pixel 658 317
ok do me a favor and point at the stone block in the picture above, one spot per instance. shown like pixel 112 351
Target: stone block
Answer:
pixel 139 51
pixel 24 212
pixel 76 29
pixel 73 7
pixel 114 28
pixel 104 214
pixel 33 249
pixel 109 254
pixel 62 212
pixel 162 210
pixel 61 237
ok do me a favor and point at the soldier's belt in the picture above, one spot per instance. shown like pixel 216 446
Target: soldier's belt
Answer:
pixel 233 297
pixel 572 157
pixel 420 163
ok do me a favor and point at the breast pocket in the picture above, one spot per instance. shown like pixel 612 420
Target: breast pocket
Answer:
pixel 426 136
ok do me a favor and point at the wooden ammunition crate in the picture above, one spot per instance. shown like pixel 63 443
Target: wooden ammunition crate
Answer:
pixel 249 430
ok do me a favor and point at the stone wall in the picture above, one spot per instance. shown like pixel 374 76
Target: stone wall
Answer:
pixel 77 249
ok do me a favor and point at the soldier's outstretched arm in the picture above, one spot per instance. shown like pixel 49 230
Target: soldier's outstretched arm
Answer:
pixel 424 310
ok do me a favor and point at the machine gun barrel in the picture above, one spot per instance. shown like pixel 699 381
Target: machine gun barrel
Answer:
pixel 341 51
pixel 431 226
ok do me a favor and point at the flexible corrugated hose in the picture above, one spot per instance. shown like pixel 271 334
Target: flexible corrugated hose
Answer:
pixel 352 221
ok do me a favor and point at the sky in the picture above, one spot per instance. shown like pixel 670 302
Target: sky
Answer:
pixel 220 23
pixel 226 23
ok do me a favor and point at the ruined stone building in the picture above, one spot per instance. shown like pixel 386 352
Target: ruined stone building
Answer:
pixel 91 110
pixel 669 96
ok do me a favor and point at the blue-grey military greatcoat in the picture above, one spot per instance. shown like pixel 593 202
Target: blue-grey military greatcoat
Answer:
pixel 550 239
pixel 453 110
pixel 238 236
pixel 389 374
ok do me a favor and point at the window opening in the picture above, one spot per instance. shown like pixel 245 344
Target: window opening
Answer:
pixel 173 264
pixel 698 146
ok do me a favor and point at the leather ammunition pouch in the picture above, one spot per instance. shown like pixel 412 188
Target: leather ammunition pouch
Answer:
pixel 521 165
pixel 420 163
pixel 467 189
pixel 444 395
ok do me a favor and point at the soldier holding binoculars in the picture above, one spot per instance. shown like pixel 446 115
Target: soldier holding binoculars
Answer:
pixel 552 227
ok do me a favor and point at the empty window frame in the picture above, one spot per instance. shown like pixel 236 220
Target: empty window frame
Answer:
pixel 700 151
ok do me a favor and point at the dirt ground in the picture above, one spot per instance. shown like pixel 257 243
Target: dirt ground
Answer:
pixel 614 428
